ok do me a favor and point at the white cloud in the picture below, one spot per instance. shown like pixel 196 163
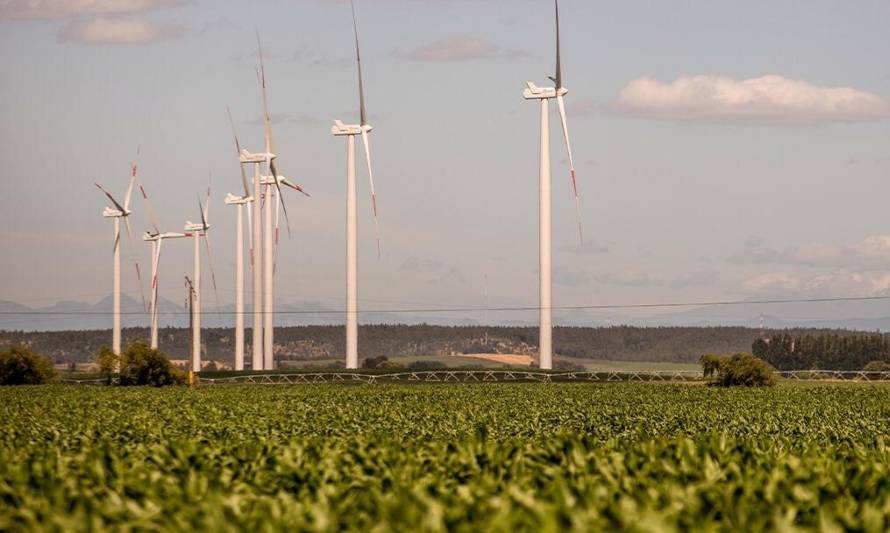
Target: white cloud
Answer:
pixel 771 100
pixel 873 252
pixel 840 283
pixel 628 278
pixel 773 281
pixel 461 48
pixel 57 9
pixel 570 277
pixel 699 278
pixel 117 31
pixel 589 247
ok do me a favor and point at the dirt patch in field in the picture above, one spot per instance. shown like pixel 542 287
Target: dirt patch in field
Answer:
pixel 503 358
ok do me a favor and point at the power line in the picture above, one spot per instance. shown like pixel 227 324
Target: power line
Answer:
pixel 475 309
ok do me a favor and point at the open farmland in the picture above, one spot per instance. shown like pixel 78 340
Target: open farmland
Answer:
pixel 437 457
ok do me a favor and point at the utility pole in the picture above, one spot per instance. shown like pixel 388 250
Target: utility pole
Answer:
pixel 191 304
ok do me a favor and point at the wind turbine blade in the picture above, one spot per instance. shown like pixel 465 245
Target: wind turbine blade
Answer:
pixel 267 126
pixel 133 169
pixel 207 206
pixel 129 231
pixel 139 279
pixel 266 120
pixel 560 103
pixel 201 209
pixel 373 192
pixel 151 211
pixel 212 272
pixel 117 241
pixel 115 202
pixel 558 78
pixel 157 268
pixel 278 206
pixel 294 186
pixel 274 168
pixel 358 60
pixel 238 152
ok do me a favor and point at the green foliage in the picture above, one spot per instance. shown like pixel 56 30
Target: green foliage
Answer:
pixel 877 366
pixel 140 365
pixel 306 343
pixel 710 364
pixel 744 369
pixel 826 351
pixel 426 365
pixel 107 363
pixel 21 366
pixel 567 366
pixel 523 457
pixel 375 362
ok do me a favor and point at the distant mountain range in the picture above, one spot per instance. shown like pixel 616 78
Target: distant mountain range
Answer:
pixel 869 315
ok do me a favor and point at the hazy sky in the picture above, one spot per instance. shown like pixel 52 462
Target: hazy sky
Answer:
pixel 724 149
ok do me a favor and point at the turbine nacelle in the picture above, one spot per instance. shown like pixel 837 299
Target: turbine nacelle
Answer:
pixel 349 129
pixel 195 228
pixel 149 237
pixel 231 199
pixel 282 180
pixel 248 157
pixel 110 212
pixel 532 92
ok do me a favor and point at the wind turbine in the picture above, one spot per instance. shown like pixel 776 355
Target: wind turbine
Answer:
pixel 268 264
pixel 118 212
pixel 350 131
pixel 156 238
pixel 239 202
pixel 533 92
pixel 198 231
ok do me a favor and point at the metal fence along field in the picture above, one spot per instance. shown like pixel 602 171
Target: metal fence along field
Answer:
pixel 400 457
pixel 471 376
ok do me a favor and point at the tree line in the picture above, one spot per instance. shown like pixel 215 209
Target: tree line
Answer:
pixel 308 343
pixel 826 351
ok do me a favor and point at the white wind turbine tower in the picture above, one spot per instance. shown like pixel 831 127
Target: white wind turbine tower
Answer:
pixel 239 202
pixel 156 238
pixel 533 92
pixel 197 231
pixel 350 131
pixel 118 212
pixel 263 263
pixel 269 243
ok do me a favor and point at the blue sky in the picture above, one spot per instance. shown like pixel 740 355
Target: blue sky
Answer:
pixel 724 149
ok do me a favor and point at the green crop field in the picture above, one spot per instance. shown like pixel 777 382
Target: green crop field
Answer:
pixel 466 457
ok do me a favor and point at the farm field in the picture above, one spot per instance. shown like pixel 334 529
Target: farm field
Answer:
pixel 457 361
pixel 445 457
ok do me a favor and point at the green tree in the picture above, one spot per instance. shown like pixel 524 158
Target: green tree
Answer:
pixel 375 362
pixel 141 365
pixel 744 369
pixel 21 366
pixel 107 362
pixel 877 366
pixel 710 364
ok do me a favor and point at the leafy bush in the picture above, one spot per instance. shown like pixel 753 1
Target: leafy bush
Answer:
pixel 710 364
pixel 141 365
pixel 21 366
pixel 107 362
pixel 568 366
pixel 745 370
pixel 375 362
pixel 427 365
pixel 877 366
